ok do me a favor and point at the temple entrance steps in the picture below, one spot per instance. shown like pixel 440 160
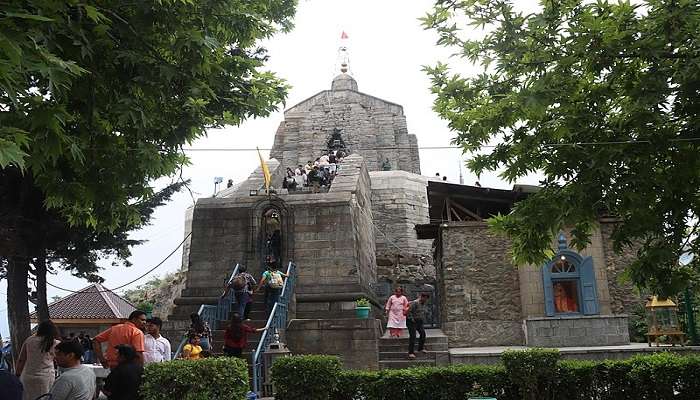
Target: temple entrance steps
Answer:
pixel 393 352
pixel 258 320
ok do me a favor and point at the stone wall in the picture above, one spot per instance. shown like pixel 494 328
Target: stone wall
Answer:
pixel 399 203
pixel 479 287
pixel 355 341
pixel 328 235
pixel 335 244
pixel 371 127
pixel 577 331
pixel 624 298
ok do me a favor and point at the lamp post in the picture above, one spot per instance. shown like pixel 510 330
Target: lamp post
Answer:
pixel 217 181
pixel 274 350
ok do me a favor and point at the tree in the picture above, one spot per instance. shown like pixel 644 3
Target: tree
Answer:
pixel 97 99
pixel 79 249
pixel 601 98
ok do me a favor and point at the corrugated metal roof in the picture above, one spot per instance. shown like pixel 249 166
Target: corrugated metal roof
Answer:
pixel 92 302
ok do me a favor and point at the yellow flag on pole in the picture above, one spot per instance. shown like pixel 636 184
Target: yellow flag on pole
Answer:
pixel 265 170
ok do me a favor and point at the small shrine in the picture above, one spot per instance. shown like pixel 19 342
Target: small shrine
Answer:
pixel 662 318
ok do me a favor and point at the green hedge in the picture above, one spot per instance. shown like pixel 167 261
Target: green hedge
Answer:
pixel 305 377
pixel 216 378
pixel 532 374
pixel 454 382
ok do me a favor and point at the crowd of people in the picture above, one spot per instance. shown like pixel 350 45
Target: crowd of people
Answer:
pixel 128 349
pixel 404 314
pixel 315 174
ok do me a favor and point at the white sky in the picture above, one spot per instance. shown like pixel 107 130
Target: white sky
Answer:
pixel 388 47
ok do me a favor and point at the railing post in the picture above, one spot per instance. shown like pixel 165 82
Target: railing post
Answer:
pixel 276 320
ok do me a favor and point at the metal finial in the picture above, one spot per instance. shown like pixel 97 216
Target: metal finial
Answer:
pixel 343 54
pixel 562 241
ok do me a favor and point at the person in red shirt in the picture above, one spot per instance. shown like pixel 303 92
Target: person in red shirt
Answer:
pixel 236 336
pixel 130 332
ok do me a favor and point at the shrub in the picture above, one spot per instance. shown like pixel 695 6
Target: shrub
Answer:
pixel 223 378
pixel 355 384
pixel 533 371
pixel 532 374
pixel 305 377
pixel 453 382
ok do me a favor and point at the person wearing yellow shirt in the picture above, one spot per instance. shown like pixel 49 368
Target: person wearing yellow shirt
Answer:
pixel 192 350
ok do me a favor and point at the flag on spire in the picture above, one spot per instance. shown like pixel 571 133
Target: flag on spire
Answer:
pixel 344 35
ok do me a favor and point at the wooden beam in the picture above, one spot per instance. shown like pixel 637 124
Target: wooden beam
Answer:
pixel 447 208
pixel 468 212
pixel 455 213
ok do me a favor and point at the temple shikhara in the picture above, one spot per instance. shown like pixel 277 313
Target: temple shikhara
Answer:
pixel 376 222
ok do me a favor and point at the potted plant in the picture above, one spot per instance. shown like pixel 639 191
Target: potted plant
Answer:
pixel 362 308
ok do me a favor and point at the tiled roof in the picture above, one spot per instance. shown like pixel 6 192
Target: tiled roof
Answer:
pixel 92 302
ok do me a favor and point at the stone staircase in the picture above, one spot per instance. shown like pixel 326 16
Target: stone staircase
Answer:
pixel 258 320
pixel 393 352
pixel 179 321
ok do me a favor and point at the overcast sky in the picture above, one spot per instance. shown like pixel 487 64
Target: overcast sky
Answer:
pixel 388 47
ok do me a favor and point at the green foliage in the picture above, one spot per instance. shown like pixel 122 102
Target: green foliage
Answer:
pixel 455 382
pixel 305 377
pixel 98 98
pixel 533 374
pixel 532 371
pixel 220 378
pixel 638 326
pixel 362 302
pixel 598 96
pixel 355 384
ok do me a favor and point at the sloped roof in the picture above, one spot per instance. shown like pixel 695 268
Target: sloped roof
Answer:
pixel 92 302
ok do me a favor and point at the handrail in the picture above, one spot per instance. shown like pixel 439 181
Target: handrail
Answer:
pixel 212 314
pixel 276 320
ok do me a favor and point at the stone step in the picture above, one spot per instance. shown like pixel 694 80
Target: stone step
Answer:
pixel 384 348
pixel 209 291
pixel 403 355
pixel 401 364
pixel 346 314
pixel 254 322
pixel 196 300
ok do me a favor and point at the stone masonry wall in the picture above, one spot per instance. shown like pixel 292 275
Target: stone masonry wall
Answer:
pixel 479 288
pixel 399 203
pixel 623 296
pixel 355 341
pixel 371 127
pixel 578 331
pixel 363 231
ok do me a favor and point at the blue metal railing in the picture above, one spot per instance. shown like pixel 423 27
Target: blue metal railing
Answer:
pixel 212 314
pixel 276 321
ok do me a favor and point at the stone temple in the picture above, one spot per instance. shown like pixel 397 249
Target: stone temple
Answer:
pixel 381 223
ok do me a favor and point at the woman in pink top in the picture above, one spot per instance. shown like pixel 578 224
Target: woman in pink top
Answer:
pixel 395 308
pixel 35 364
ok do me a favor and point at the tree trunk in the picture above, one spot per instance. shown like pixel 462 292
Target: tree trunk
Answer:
pixel 42 305
pixel 18 302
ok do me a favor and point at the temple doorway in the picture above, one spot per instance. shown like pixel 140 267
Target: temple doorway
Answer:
pixel 270 239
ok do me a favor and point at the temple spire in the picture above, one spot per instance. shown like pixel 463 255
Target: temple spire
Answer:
pixel 343 54
pixel 344 81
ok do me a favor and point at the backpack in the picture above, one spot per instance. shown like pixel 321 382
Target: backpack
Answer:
pixel 239 283
pixel 275 281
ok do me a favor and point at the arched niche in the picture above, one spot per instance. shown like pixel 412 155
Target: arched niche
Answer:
pixel 569 283
pixel 267 216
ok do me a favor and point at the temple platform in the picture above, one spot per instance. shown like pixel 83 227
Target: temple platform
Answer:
pixel 491 355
